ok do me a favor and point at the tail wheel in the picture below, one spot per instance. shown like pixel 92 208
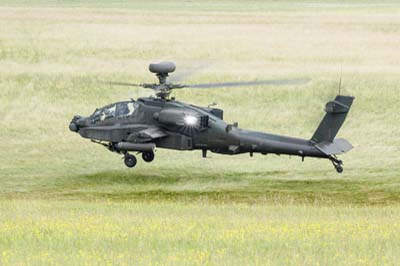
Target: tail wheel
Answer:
pixel 130 160
pixel 339 169
pixel 337 164
pixel 148 156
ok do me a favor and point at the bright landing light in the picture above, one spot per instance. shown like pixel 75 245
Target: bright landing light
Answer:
pixel 190 120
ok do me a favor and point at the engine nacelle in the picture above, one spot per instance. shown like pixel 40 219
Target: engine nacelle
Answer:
pixel 171 116
pixel 179 117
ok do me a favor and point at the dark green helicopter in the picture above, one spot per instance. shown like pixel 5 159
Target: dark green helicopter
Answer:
pixel 146 123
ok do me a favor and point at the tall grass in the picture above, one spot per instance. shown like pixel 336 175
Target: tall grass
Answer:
pixel 106 233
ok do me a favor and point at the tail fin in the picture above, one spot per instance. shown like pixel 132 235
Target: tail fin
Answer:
pixel 336 112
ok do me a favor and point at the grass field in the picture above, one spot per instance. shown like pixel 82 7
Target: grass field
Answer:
pixel 106 233
pixel 65 200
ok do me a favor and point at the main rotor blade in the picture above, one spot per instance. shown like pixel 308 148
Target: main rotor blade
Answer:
pixel 123 84
pixel 278 82
pixel 186 72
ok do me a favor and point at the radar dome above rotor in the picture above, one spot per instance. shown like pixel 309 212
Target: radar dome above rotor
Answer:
pixel 162 67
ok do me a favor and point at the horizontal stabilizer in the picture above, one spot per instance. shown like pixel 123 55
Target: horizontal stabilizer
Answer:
pixel 336 147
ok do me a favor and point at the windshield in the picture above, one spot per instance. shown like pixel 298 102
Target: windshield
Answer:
pixel 121 109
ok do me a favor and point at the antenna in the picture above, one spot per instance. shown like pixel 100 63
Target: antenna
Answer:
pixel 340 80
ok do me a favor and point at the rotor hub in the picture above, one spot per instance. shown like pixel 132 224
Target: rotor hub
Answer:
pixel 162 89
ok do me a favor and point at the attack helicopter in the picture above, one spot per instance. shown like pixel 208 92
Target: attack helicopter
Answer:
pixel 148 123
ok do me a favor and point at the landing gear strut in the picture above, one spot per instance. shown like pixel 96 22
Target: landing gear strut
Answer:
pixel 337 164
pixel 130 160
pixel 148 156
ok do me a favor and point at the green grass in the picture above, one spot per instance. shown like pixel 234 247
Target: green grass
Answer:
pixel 53 55
pixel 129 233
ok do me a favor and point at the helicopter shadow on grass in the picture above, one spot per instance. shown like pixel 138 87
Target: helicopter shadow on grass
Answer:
pixel 168 177
pixel 249 187
pixel 165 183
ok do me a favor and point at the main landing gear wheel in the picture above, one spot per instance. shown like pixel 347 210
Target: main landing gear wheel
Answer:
pixel 130 160
pixel 148 156
pixel 337 164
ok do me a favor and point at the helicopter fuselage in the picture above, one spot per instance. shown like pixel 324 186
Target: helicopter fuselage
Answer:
pixel 170 124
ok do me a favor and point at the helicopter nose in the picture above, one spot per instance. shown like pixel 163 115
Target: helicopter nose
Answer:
pixel 74 125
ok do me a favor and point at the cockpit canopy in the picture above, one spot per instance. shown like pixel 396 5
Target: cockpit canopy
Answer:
pixel 120 109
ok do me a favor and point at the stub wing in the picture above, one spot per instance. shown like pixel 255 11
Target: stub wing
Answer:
pixel 147 135
pixel 337 146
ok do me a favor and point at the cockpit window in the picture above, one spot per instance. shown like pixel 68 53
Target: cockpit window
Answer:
pixel 110 111
pixel 125 109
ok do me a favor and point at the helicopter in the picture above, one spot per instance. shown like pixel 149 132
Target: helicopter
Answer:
pixel 148 123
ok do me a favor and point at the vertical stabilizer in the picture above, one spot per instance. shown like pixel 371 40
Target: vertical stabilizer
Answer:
pixel 336 112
